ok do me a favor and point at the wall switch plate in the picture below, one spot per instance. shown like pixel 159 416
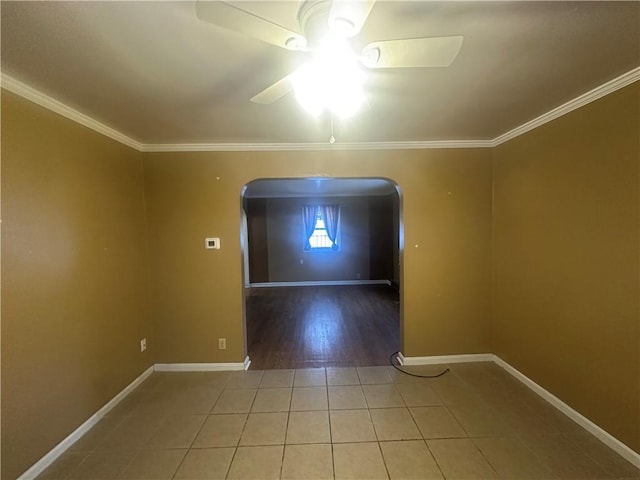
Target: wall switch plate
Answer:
pixel 143 345
pixel 212 243
pixel 222 344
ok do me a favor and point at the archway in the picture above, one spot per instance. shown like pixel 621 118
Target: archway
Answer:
pixel 333 306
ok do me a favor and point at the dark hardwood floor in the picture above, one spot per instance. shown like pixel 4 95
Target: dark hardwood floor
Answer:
pixel 328 326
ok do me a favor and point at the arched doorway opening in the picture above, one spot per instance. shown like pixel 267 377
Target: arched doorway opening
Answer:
pixel 321 289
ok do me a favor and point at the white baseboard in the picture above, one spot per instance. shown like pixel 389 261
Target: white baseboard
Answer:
pixel 437 360
pixel 609 440
pixel 605 437
pixel 319 283
pixel 247 362
pixel 38 467
pixel 200 367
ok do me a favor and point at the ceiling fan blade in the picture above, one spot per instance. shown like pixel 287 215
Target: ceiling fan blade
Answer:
pixel 274 92
pixel 232 18
pixel 413 52
pixel 348 16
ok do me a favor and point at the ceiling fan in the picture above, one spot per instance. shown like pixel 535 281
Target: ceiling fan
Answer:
pixel 338 20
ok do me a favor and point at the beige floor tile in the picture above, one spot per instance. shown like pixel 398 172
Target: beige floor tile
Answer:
pixel 399 377
pixel 153 465
pixel 512 459
pixel 563 458
pixel 455 392
pixel 96 435
pixel 277 379
pixel 436 422
pixel 133 432
pixel 176 382
pixel 409 461
pixel 418 395
pixel 394 424
pixel 431 370
pixel 308 427
pixel 351 426
pixel 244 379
pixel 197 400
pixel 561 422
pixel 158 404
pixel 523 420
pixel 215 379
pixel 382 396
pixel 152 381
pixel 176 431
pixel 460 459
pixel 373 375
pixel 63 466
pixel 262 463
pixel 308 462
pixel 102 465
pixel 309 398
pixel 474 368
pixel 183 380
pixel 235 401
pixel 342 376
pixel 355 461
pixel 479 420
pixel 264 429
pixel 310 377
pixel 130 403
pixel 205 464
pixel 346 397
pixel 221 431
pixel 272 400
pixel 610 461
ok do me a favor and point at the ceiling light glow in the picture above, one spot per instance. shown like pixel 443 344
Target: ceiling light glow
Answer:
pixel 332 81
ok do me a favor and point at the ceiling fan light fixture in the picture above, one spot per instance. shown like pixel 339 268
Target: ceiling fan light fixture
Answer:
pixel 370 56
pixel 316 90
pixel 296 43
pixel 346 100
pixel 332 81
pixel 342 27
pixel 308 89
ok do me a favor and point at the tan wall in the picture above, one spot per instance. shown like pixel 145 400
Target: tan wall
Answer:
pixel 197 293
pixel 73 279
pixel 74 289
pixel 566 260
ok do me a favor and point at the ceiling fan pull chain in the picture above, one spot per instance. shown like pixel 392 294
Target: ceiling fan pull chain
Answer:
pixel 332 139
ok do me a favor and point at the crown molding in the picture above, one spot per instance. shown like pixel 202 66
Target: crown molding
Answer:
pixel 54 105
pixel 584 99
pixel 266 147
pixel 39 98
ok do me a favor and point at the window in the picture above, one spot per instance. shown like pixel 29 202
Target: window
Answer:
pixel 321 224
pixel 320 237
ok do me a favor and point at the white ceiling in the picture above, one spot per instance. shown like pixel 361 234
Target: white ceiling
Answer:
pixel 156 73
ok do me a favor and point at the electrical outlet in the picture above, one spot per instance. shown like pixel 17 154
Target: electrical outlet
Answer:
pixel 222 344
pixel 143 345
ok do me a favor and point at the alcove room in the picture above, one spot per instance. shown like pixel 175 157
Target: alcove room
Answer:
pixel 320 239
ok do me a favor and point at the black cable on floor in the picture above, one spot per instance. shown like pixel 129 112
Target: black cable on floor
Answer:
pixel 394 354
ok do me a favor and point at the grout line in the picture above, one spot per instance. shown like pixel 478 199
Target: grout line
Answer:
pixel 384 461
pixel 333 457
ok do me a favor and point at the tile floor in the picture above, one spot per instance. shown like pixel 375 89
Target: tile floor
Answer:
pixel 475 422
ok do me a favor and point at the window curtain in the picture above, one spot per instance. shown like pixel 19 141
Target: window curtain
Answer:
pixel 309 215
pixel 331 216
